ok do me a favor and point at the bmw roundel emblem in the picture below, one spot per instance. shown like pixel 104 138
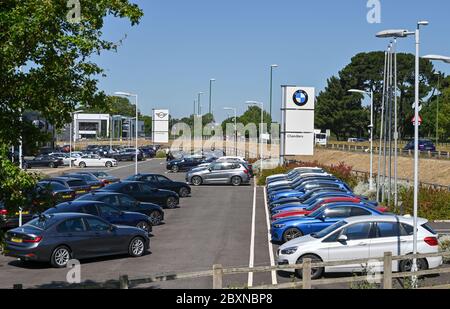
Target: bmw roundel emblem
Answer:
pixel 300 98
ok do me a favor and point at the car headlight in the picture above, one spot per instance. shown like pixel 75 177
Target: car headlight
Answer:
pixel 289 251
pixel 278 226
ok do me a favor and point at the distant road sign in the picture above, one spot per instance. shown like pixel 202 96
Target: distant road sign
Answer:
pixel 414 120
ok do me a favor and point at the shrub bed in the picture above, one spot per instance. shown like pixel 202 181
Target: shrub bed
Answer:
pixel 433 204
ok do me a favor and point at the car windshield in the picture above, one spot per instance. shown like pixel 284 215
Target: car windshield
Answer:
pixel 100 174
pixel 51 185
pixel 329 230
pixel 42 223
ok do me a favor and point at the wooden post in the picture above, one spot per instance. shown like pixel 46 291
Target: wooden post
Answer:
pixel 17 286
pixel 387 267
pixel 123 282
pixel 306 274
pixel 217 276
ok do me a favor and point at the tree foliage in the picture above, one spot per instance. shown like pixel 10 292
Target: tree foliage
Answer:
pixel 55 55
pixel 251 115
pixel 342 112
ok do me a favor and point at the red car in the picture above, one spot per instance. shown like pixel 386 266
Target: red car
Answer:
pixel 307 211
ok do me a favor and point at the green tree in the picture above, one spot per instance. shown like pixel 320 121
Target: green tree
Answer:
pixel 55 54
pixel 114 106
pixel 147 125
pixel 337 109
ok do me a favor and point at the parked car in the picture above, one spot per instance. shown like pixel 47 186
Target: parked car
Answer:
pixel 104 211
pixel 184 164
pixel 94 161
pixel 304 188
pixel 43 161
pixel 127 203
pixel 220 173
pixel 293 174
pixel 10 220
pixel 102 176
pixel 284 230
pixel 50 193
pixel 128 154
pixel 91 180
pixel 148 152
pixel 424 145
pixel 58 238
pixel 363 238
pixel 145 193
pixel 78 185
pixel 162 182
pixel 63 156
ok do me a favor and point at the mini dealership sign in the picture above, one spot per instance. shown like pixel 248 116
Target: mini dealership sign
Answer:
pixel 160 126
pixel 297 125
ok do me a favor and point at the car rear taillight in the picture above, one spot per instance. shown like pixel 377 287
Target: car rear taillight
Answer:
pixel 32 240
pixel 3 212
pixel 246 171
pixel 105 182
pixel 431 241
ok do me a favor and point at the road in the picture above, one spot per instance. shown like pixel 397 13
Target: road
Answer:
pixel 216 225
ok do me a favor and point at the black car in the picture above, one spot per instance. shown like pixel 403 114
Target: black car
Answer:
pixel 43 161
pixel 91 180
pixel 424 145
pixel 102 176
pixel 162 182
pixel 128 154
pixel 184 164
pixel 105 211
pixel 148 152
pixel 127 203
pixel 78 185
pixel 58 238
pixel 49 193
pixel 10 220
pixel 145 193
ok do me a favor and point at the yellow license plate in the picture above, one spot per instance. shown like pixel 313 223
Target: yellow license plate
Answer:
pixel 16 240
pixel 95 187
pixel 23 213
pixel 79 192
pixel 67 196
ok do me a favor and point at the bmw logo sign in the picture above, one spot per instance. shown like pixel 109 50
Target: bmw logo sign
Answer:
pixel 300 98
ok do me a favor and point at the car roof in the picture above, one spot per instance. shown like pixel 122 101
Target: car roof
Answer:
pixel 63 178
pixel 386 218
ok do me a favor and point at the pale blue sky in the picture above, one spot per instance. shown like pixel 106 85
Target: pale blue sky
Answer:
pixel 181 44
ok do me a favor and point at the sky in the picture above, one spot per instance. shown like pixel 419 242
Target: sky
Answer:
pixel 181 44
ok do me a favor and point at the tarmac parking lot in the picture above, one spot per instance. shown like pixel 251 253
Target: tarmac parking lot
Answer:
pixel 215 225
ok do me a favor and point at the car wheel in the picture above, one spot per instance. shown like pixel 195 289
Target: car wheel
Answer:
pixel 143 226
pixel 108 164
pixel 82 164
pixel 197 180
pixel 60 257
pixel 236 181
pixel 291 234
pixel 184 192
pixel 406 265
pixel 136 248
pixel 171 202
pixel 51 165
pixel 316 273
pixel 175 169
pixel 155 217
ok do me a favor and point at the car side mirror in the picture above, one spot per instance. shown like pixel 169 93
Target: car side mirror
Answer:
pixel 112 228
pixel 342 238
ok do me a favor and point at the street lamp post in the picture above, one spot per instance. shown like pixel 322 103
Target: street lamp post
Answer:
pixel 210 94
pixel 401 34
pixel 273 66
pixel 370 94
pixel 126 94
pixel 235 127
pixel 199 109
pixel 261 130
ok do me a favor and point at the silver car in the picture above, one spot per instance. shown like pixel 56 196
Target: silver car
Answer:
pixel 219 173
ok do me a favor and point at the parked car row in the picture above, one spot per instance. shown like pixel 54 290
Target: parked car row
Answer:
pixel 315 215
pixel 91 217
pixel 203 170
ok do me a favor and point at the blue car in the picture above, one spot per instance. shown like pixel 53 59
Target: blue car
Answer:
pixel 300 191
pixel 104 211
pixel 307 196
pixel 284 230
pixel 311 199
pixel 298 182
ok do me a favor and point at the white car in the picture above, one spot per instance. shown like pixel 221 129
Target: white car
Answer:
pixel 289 182
pixel 62 156
pixel 361 238
pixel 94 161
pixel 231 159
pixel 295 170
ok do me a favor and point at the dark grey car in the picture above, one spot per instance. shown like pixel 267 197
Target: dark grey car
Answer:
pixel 58 238
pixel 219 173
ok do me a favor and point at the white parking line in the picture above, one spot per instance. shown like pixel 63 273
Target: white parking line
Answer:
pixel 269 236
pixel 252 240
